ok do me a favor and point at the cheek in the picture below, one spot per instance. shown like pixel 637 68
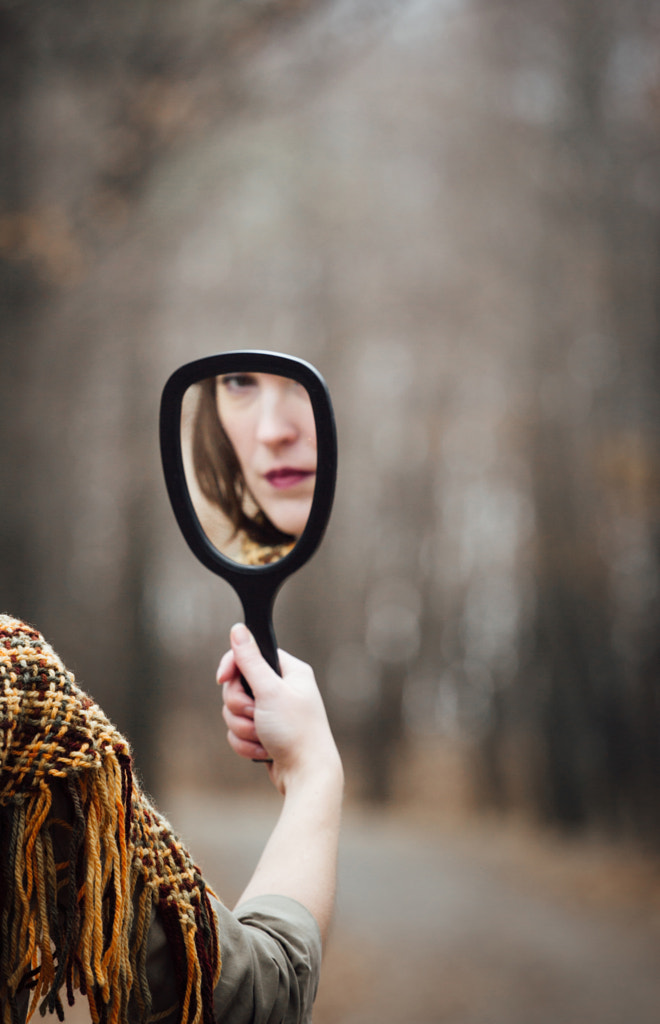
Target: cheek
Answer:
pixel 241 434
pixel 308 430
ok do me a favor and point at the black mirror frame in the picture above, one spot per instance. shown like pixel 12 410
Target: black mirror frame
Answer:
pixel 256 586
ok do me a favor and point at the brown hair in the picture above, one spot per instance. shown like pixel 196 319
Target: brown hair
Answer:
pixel 220 476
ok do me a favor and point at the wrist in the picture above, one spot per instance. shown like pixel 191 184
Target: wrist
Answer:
pixel 320 778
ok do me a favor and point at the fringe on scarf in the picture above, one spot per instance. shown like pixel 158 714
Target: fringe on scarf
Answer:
pixel 77 891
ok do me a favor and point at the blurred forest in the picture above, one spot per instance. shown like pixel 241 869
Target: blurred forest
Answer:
pixel 451 208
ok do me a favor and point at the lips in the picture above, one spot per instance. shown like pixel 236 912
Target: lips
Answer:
pixel 287 476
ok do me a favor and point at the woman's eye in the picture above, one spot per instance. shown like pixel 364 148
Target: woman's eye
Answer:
pixel 238 383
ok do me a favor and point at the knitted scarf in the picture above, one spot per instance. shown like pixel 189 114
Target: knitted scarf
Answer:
pixel 76 894
pixel 254 553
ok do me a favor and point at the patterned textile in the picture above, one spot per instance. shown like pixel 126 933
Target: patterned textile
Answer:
pixel 77 889
pixel 253 553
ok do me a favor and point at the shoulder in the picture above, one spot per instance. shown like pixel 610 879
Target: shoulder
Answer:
pixel 271 960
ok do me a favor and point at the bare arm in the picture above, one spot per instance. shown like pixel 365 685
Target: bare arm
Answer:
pixel 286 721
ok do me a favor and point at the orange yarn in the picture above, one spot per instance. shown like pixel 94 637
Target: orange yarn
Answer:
pixel 76 895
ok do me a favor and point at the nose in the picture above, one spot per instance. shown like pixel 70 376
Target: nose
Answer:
pixel 275 426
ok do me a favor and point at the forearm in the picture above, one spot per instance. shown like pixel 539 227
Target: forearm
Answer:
pixel 300 858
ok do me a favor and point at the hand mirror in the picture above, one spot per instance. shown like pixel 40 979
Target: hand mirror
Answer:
pixel 249 453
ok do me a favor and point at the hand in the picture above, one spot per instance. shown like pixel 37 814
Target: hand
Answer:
pixel 285 720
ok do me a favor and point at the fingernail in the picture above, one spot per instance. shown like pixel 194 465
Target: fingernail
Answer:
pixel 240 634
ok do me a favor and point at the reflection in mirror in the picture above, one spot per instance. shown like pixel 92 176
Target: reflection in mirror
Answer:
pixel 249 452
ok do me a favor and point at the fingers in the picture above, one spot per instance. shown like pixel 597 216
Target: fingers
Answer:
pixel 250 661
pixel 238 707
pixel 226 669
pixel 287 711
pixel 237 700
pixel 246 658
pixel 238 713
pixel 241 728
pixel 247 748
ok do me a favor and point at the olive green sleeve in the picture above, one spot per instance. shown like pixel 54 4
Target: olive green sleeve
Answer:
pixel 271 961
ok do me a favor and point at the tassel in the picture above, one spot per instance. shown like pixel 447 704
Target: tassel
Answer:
pixel 77 894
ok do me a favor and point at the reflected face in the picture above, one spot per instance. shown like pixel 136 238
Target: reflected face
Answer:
pixel 270 423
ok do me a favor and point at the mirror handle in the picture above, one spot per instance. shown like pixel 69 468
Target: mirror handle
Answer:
pixel 258 616
pixel 259 620
pixel 261 627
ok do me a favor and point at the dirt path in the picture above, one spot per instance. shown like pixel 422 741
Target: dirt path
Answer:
pixel 456 925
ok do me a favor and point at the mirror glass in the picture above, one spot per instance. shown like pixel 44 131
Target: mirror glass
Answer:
pixel 249 447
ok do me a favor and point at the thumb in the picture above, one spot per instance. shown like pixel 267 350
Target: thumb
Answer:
pixel 250 661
